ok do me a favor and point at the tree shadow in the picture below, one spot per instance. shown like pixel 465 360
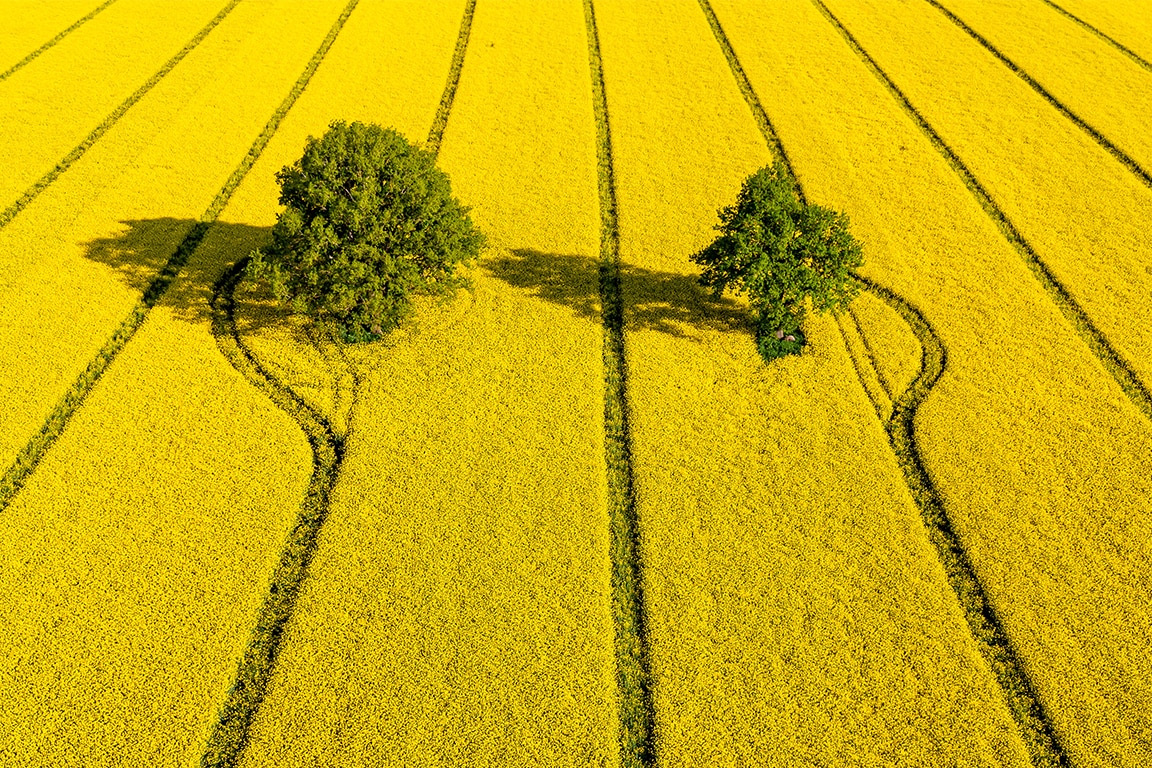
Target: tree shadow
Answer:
pixel 668 302
pixel 179 261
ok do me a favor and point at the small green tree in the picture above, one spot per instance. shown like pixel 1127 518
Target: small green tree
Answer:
pixel 369 221
pixel 782 253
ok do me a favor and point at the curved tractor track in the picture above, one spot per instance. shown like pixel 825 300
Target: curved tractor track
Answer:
pixel 983 622
pixel 229 736
pixel 230 733
pixel 981 616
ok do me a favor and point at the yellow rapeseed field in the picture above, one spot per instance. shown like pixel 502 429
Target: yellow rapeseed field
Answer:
pixel 75 261
pixel 1080 210
pixel 135 559
pixel 1044 465
pixel 51 105
pixel 797 612
pixel 457 610
pixel 31 24
pixel 886 340
pixel 1125 21
pixel 569 516
pixel 865 366
pixel 1093 79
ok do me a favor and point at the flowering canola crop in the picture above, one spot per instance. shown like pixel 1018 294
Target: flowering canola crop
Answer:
pixel 783 559
pixel 462 595
pixel 133 561
pixel 1044 466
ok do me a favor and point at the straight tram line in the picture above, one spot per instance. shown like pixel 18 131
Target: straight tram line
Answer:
pixel 629 612
pixel 60 36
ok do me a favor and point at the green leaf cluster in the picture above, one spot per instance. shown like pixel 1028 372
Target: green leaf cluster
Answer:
pixel 784 254
pixel 369 221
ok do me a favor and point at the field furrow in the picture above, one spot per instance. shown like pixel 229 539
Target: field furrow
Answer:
pixel 1092 82
pixel 890 344
pixel 1042 464
pixel 796 610
pixel 52 105
pixel 33 26
pixel 457 607
pixel 76 262
pixel 1076 210
pixel 866 368
pixel 1125 22
pixel 134 563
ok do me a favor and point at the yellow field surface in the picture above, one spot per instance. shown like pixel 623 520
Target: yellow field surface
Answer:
pixel 1044 465
pixel 457 610
pixel 890 345
pixel 134 560
pixel 1096 81
pixel 1125 21
pixel 74 262
pixel 797 612
pixel 52 104
pixel 866 369
pixel 29 24
pixel 1080 209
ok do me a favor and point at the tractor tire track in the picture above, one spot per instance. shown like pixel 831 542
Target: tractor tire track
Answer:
pixel 75 25
pixel 637 736
pixel 68 160
pixel 229 736
pixel 983 622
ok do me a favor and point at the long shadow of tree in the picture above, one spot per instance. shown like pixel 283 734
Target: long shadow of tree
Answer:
pixel 177 262
pixel 663 301
pixel 668 302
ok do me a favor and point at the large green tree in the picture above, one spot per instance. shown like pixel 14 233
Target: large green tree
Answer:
pixel 784 254
pixel 368 222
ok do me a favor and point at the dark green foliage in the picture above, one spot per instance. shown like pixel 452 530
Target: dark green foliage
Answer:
pixel 369 222
pixel 783 253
